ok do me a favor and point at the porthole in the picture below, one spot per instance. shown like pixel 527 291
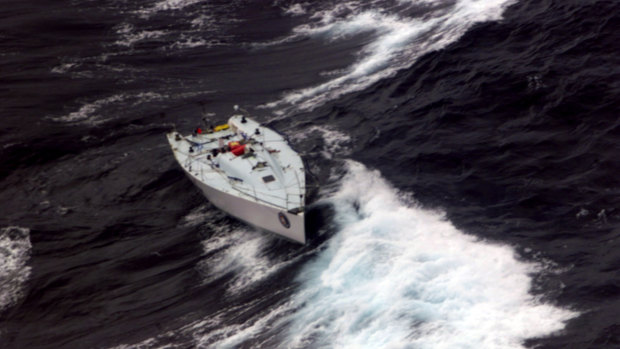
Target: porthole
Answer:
pixel 283 220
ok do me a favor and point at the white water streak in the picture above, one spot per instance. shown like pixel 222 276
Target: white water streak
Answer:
pixel 398 40
pixel 397 276
pixel 91 111
pixel 393 276
pixel 15 250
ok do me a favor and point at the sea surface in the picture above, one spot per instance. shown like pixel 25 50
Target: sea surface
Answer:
pixel 465 156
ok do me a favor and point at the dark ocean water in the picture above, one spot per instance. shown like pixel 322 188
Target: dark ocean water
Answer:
pixel 467 155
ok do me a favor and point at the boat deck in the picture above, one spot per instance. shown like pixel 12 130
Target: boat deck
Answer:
pixel 265 169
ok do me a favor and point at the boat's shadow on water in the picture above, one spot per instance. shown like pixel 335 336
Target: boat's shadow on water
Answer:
pixel 319 223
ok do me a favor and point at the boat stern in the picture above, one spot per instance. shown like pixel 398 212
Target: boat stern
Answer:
pixel 292 226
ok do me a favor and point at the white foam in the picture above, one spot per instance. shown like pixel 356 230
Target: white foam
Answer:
pixel 233 336
pixel 129 36
pixel 190 42
pixel 15 250
pixel 165 6
pixel 91 111
pixel 400 276
pixel 63 68
pixel 295 10
pixel 214 332
pixel 168 5
pixel 336 142
pixel 393 276
pixel 206 22
pixel 240 251
pixel 398 41
pixel 197 216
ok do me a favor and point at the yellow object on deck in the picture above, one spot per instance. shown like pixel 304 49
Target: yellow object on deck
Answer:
pixel 221 127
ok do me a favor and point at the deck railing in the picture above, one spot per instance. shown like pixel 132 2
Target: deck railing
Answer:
pixel 292 201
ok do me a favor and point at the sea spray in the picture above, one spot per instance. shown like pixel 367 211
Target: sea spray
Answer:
pixel 397 276
pixel 15 250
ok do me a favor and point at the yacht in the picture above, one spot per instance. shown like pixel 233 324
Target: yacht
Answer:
pixel 248 171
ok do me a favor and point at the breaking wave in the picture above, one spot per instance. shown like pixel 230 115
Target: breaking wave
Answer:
pixel 393 276
pixel 14 255
pixel 396 275
pixel 400 34
pixel 239 252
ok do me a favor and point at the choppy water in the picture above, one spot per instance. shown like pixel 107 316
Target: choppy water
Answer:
pixel 466 152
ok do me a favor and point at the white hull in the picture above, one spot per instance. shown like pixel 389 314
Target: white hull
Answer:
pixel 256 214
pixel 260 181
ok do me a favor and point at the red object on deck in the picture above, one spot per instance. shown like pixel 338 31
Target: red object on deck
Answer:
pixel 236 148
